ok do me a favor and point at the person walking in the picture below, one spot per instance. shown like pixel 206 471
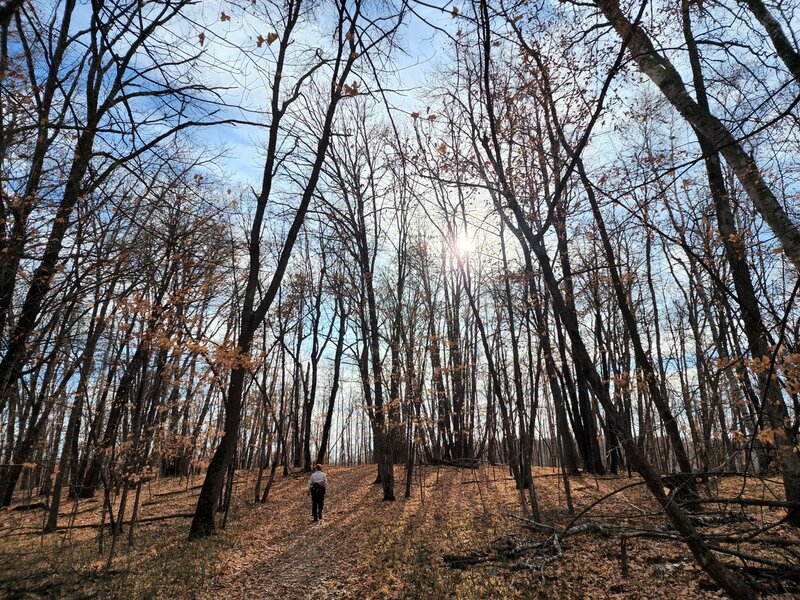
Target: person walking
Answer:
pixel 317 485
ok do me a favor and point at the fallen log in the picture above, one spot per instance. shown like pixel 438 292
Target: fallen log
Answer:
pixel 31 506
pixel 138 521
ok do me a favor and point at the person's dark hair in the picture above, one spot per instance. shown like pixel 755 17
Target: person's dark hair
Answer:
pixel 318 467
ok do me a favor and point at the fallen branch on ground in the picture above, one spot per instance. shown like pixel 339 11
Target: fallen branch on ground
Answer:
pixel 749 502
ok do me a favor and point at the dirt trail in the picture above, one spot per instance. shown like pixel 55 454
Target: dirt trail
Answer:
pixel 286 555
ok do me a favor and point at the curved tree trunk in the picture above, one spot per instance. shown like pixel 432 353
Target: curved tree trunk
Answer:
pixel 668 80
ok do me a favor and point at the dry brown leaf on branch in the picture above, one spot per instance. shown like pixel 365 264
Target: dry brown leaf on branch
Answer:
pixel 352 89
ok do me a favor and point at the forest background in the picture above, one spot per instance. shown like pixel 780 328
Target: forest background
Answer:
pixel 255 236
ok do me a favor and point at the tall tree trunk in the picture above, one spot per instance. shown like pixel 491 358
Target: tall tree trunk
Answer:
pixel 251 318
pixel 773 405
pixel 655 390
pixel 337 368
pixel 668 80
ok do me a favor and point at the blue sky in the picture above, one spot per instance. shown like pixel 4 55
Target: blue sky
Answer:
pixel 421 49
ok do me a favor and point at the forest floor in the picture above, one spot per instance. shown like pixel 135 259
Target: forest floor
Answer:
pixel 366 548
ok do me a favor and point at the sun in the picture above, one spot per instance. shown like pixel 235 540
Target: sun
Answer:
pixel 465 244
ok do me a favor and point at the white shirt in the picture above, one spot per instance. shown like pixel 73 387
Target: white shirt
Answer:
pixel 318 477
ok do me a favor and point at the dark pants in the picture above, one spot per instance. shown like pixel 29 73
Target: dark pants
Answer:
pixel 317 501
